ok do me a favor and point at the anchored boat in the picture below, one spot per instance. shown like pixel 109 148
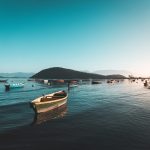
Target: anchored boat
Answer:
pixel 3 81
pixel 73 85
pixel 49 102
pixel 96 82
pixel 14 85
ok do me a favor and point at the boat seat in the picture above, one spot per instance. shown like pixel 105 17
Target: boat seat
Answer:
pixel 45 99
pixel 61 96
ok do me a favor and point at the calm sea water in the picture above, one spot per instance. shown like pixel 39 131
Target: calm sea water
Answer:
pixel 108 114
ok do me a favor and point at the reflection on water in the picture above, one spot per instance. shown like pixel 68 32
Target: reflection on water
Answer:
pixel 52 114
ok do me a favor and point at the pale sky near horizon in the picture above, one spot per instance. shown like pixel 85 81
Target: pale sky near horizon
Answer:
pixel 76 34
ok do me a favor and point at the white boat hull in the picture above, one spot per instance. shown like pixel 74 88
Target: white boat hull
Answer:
pixel 40 107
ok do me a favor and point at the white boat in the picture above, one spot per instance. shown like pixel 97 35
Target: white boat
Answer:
pixel 73 85
pixel 49 102
pixel 14 85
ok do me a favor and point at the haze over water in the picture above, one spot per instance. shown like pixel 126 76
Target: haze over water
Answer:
pixel 115 116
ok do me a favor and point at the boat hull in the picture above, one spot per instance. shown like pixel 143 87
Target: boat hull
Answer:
pixel 11 86
pixel 73 85
pixel 40 107
pixel 96 82
pixel 3 81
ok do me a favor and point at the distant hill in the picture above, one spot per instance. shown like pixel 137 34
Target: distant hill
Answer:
pixel 115 76
pixel 110 72
pixel 17 75
pixel 63 73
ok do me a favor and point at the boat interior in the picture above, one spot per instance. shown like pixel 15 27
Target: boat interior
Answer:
pixel 56 96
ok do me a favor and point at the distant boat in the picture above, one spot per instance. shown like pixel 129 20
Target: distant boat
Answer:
pixel 3 81
pixel 148 87
pixel 14 85
pixel 59 81
pixel 73 85
pixel 49 102
pixel 112 81
pixel 30 80
pixel 145 83
pixel 96 82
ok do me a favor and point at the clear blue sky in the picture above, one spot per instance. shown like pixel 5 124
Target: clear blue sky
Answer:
pixel 77 34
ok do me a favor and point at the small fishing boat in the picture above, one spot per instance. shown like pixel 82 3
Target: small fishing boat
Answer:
pixel 49 102
pixel 111 81
pixel 146 83
pixel 3 81
pixel 96 82
pixel 14 85
pixel 73 85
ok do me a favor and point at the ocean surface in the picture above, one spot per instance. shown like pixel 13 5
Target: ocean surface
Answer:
pixel 103 116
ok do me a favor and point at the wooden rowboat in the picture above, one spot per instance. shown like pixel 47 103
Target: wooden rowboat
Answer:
pixel 49 102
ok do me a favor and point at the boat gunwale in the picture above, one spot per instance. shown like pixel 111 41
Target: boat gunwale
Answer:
pixel 50 101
